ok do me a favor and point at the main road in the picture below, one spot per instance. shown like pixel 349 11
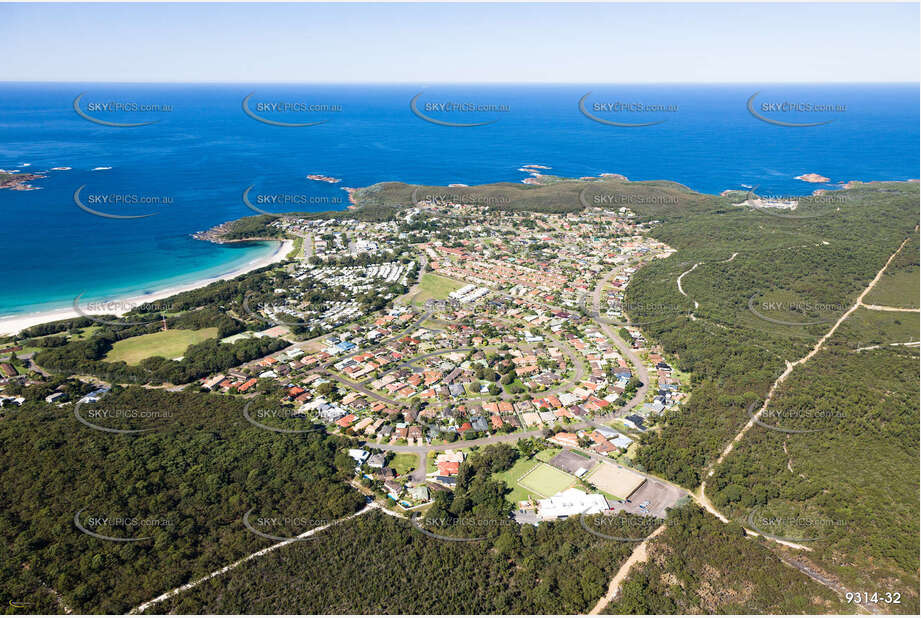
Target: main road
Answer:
pixel 628 352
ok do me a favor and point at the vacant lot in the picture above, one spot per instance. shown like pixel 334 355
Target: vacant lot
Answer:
pixel 545 480
pixel 403 463
pixel 437 287
pixel 168 344
pixel 866 327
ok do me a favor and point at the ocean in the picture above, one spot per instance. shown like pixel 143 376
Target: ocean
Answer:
pixel 189 169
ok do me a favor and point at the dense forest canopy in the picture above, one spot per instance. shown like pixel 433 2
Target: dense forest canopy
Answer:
pixel 187 484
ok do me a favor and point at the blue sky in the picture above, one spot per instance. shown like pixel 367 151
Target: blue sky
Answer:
pixel 427 43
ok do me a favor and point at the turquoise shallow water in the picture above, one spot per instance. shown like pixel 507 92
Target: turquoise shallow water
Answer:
pixel 205 151
pixel 206 267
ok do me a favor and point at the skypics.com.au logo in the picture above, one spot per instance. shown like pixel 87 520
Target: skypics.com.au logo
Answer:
pixel 132 202
pixel 784 112
pixel 125 421
pixel 822 204
pixel 783 419
pixel 289 113
pixel 287 202
pixel 605 112
pixel 283 527
pixel 121 307
pixel 794 312
pixel 441 199
pixel 438 112
pixel 105 112
pixel 118 528
pixel 269 418
pixel 792 527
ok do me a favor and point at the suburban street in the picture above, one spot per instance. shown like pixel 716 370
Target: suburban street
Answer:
pixel 600 421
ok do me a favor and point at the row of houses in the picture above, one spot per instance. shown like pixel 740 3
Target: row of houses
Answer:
pixel 602 440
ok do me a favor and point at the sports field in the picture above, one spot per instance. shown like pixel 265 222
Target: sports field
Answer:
pixel 168 344
pixel 435 286
pixel 545 480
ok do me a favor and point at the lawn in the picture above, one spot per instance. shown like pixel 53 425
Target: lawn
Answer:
pixel 547 454
pixel 471 393
pixel 521 387
pixel 511 476
pixel 403 463
pixel 619 426
pixel 535 469
pixel 168 344
pixel 435 286
pixel 544 480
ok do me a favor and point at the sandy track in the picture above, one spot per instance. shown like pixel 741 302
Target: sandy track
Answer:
pixel 166 595
pixel 885 308
pixel 702 490
pixel 639 556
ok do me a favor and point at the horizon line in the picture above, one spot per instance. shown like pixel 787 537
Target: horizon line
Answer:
pixel 459 83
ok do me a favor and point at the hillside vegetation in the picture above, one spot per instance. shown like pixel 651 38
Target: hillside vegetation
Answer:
pixel 699 565
pixel 186 485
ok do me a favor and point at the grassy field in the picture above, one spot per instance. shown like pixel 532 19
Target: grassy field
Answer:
pixel 297 250
pixel 546 480
pixel 896 290
pixel 238 337
pixel 521 468
pixel 511 476
pixel 403 463
pixel 899 286
pixel 168 344
pixel 866 327
pixel 437 287
pixel 85 333
pixel 547 455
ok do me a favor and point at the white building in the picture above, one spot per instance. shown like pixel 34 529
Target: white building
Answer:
pixel 359 455
pixel 571 502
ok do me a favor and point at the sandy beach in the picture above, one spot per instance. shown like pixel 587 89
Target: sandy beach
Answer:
pixel 13 324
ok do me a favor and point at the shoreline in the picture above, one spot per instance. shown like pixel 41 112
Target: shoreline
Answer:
pixel 11 325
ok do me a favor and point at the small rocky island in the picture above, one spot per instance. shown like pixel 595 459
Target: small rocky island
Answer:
pixel 322 178
pixel 814 178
